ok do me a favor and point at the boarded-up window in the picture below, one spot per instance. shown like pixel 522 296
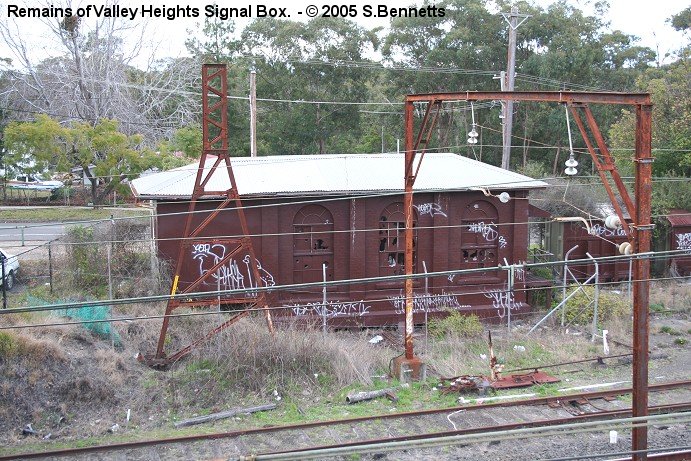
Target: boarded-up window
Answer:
pixel 312 244
pixel 392 240
pixel 480 237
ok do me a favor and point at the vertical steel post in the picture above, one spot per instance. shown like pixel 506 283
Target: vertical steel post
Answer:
pixel 563 288
pixel 597 295
pixel 641 233
pixel 408 212
pixel 4 282
pixel 324 298
pixel 50 266
pixel 253 113
pixel 424 267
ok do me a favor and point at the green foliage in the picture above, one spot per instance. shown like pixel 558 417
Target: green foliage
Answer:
pixel 534 169
pixel 682 20
pixel 106 155
pixel 455 323
pixel 8 345
pixel 680 341
pixel 309 128
pixel 84 259
pixel 669 330
pixel 610 306
pixel 670 90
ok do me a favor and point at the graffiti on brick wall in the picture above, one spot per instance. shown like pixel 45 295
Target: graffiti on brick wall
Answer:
pixel 430 209
pixel 503 301
pixel 233 275
pixel 489 232
pixel 331 309
pixel 684 242
pixel 603 231
pixel 427 303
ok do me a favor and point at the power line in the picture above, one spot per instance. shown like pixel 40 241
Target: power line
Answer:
pixel 335 283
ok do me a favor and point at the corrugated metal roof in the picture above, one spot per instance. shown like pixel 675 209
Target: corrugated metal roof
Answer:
pixel 679 218
pixel 332 174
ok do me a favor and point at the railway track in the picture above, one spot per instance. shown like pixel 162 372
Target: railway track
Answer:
pixel 359 434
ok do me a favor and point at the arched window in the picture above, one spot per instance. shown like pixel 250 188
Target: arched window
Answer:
pixel 392 240
pixel 480 236
pixel 312 244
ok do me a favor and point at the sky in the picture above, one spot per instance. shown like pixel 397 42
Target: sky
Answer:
pixel 635 17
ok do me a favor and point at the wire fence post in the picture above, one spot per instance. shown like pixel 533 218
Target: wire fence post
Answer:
pixel 424 267
pixel 109 248
pixel 4 282
pixel 630 271
pixel 324 299
pixel 50 266
pixel 597 295
pixel 512 274
pixel 563 287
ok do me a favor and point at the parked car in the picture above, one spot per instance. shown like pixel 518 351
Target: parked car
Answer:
pixel 11 264
pixel 34 183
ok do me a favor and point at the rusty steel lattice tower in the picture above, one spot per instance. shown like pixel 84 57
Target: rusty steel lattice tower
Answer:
pixel 639 208
pixel 214 169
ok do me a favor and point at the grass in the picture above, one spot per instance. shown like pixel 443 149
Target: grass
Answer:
pixel 669 330
pixel 64 214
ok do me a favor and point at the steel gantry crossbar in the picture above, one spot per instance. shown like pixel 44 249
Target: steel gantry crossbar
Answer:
pixel 639 232
pixel 214 160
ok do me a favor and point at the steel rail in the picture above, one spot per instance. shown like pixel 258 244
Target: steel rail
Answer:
pixel 604 415
pixel 237 433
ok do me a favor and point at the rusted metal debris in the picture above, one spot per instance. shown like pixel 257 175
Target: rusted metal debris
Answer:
pixel 524 380
pixel 466 384
pixel 483 384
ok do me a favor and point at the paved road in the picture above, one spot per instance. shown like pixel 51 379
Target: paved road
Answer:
pixel 33 232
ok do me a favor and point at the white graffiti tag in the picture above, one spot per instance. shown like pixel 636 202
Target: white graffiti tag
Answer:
pixel 502 301
pixel 488 232
pixel 331 309
pixel 684 242
pixel 430 209
pixel 603 231
pixel 230 276
pixel 427 303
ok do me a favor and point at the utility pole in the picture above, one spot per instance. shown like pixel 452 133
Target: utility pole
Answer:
pixel 512 19
pixel 253 113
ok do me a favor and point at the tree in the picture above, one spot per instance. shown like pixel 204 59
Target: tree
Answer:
pixel 90 76
pixel 310 62
pixel 107 156
pixel 670 90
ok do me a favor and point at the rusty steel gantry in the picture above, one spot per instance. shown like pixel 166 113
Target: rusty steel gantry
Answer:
pixel 214 159
pixel 639 232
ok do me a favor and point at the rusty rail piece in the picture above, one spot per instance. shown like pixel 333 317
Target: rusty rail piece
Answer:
pixel 237 433
pixel 598 359
pixel 214 160
pixel 639 209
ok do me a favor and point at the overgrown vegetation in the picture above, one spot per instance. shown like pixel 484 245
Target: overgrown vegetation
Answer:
pixel 456 324
pixel 579 309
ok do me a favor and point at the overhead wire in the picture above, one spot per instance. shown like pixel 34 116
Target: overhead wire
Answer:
pixel 335 283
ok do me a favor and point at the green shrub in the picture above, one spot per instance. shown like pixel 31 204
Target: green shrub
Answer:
pixel 8 346
pixel 669 330
pixel 610 306
pixel 84 259
pixel 456 323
